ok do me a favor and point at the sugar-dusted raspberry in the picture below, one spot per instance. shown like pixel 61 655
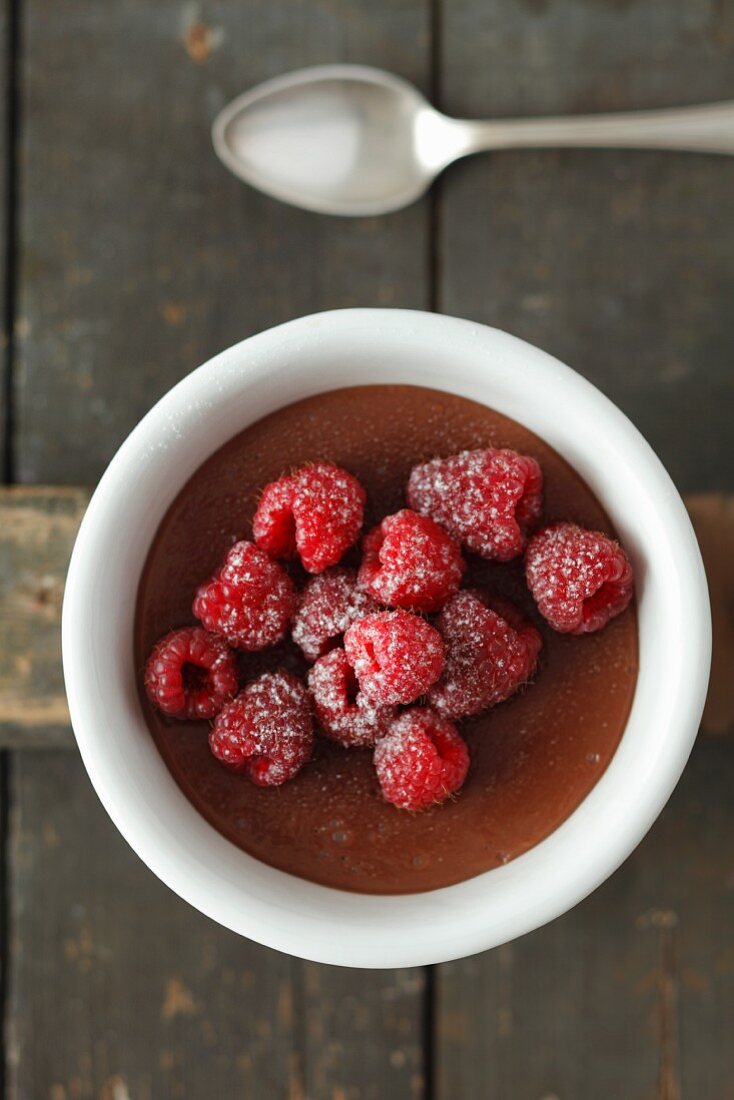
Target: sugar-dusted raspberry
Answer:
pixel 315 514
pixel 396 656
pixel 250 601
pixel 328 604
pixel 488 500
pixel 267 731
pixel 191 674
pixel 491 650
pixel 411 562
pixel 421 760
pixel 579 579
pixel 344 713
pixel 519 622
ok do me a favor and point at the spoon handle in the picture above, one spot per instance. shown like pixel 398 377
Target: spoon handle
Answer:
pixel 704 129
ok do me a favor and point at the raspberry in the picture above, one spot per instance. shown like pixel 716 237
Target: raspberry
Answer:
pixel 395 656
pixel 267 731
pixel 491 649
pixel 487 500
pixel 409 561
pixel 191 674
pixel 249 601
pixel 579 579
pixel 344 713
pixel 421 761
pixel 315 513
pixel 329 603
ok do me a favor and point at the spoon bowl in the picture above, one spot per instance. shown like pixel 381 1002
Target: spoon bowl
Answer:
pixel 352 140
pixel 337 139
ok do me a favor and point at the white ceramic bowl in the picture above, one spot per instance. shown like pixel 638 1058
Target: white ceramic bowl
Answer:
pixel 221 398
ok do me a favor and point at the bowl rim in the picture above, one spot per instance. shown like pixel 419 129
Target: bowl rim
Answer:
pixel 333 926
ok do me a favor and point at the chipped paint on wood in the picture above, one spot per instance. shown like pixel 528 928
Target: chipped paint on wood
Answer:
pixel 178 1000
pixel 199 39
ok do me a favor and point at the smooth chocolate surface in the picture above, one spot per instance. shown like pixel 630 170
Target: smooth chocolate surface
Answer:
pixel 534 758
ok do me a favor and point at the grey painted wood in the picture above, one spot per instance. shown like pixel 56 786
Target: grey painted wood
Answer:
pixel 5 320
pixel 622 263
pixel 140 257
pixel 140 254
pixel 115 981
pixel 116 984
pixel 362 1036
pixel 38 526
pixel 632 993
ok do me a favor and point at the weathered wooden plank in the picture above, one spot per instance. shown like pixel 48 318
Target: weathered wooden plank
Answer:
pixel 113 980
pixel 363 1046
pixel 37 531
pixel 140 255
pixel 5 321
pixel 632 993
pixel 116 983
pixel 621 263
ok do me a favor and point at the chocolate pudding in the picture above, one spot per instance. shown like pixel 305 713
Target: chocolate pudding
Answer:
pixel 533 758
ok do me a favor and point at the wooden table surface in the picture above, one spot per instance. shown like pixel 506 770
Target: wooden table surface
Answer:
pixel 131 257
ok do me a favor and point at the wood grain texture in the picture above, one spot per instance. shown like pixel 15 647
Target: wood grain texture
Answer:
pixel 116 984
pixel 37 532
pixel 5 320
pixel 140 255
pixel 621 263
pixel 713 519
pixel 362 1039
pixel 629 995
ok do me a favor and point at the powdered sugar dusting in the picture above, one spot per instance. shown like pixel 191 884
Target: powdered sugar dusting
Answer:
pixel 487 499
pixel 579 579
pixel 421 761
pixel 487 660
pixel 344 713
pixel 316 512
pixel 267 731
pixel 328 605
pixel 411 562
pixel 250 601
pixel 396 656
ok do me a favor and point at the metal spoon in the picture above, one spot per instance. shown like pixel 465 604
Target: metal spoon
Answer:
pixel 347 139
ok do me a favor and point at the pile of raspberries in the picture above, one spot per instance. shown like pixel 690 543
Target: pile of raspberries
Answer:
pixel 399 651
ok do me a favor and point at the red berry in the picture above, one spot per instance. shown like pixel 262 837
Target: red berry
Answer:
pixel 267 731
pixel 409 561
pixel 579 579
pixel 396 656
pixel 249 601
pixel 488 500
pixel 421 760
pixel 191 674
pixel 315 513
pixel 344 713
pixel 328 604
pixel 490 652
